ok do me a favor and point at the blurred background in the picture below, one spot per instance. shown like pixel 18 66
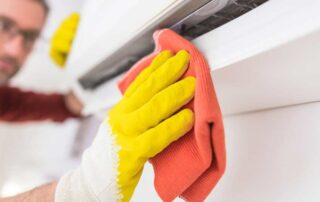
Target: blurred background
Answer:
pixel 34 153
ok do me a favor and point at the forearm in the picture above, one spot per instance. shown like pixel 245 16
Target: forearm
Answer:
pixel 21 106
pixel 44 193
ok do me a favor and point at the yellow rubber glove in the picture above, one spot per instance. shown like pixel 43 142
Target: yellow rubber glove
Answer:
pixel 62 39
pixel 145 121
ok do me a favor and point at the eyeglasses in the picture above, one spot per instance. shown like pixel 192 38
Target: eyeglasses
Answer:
pixel 9 29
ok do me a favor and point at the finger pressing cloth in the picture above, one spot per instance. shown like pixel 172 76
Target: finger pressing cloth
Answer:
pixel 192 166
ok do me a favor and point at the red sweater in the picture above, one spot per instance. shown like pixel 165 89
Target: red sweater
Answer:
pixel 21 106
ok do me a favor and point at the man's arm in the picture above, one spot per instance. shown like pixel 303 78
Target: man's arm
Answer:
pixel 20 106
pixel 44 193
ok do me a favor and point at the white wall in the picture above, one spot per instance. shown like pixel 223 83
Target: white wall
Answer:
pixel 34 153
pixel 272 155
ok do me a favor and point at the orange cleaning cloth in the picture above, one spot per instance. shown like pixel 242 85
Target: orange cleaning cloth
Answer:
pixel 191 166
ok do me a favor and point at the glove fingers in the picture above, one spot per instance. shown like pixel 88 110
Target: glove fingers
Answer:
pixel 57 57
pixel 67 30
pixel 62 40
pixel 144 75
pixel 61 46
pixel 160 137
pixel 161 78
pixel 65 34
pixel 74 17
pixel 71 22
pixel 160 107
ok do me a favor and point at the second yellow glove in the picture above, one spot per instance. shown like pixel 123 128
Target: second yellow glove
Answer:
pixel 61 41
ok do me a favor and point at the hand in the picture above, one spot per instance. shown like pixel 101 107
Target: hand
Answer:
pixel 148 118
pixel 145 121
pixel 73 103
pixel 61 41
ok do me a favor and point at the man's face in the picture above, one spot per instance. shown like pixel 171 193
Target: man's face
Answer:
pixel 20 24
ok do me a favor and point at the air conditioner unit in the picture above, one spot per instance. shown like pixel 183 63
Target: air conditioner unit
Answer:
pixel 251 45
pixel 97 65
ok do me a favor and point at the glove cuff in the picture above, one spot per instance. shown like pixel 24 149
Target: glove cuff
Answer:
pixel 96 178
pixel 73 187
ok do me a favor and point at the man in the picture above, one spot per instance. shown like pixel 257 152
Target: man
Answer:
pixel 145 121
pixel 20 26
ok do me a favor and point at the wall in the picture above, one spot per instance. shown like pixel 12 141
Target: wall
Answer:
pixel 273 155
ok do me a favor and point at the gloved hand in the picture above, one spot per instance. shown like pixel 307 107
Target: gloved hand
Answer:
pixel 61 41
pixel 145 121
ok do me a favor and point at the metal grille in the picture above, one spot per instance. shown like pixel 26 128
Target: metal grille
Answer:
pixel 230 12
